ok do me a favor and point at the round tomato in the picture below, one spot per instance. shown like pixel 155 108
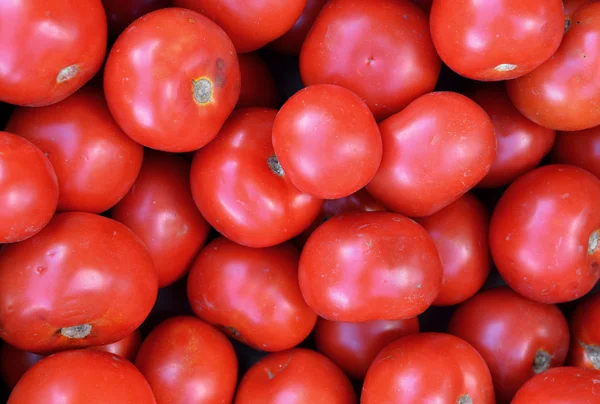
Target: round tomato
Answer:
pixel 327 141
pixel 258 87
pixel 585 337
pixel 121 13
pixel 564 385
pixel 127 347
pixel 571 7
pixel 291 42
pixel 171 79
pixel 14 362
pixel 379 49
pixel 581 149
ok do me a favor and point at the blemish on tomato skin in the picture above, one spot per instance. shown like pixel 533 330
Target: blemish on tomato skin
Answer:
pixel 67 73
pixel 202 90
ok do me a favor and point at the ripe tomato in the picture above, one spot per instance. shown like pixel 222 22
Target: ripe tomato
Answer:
pixel 571 7
pixel 296 376
pixel 564 385
pixel 327 141
pixel 171 80
pixel 291 42
pixel 369 266
pixel 544 234
pixel 160 210
pixel 354 346
pixel 564 92
pixel 49 48
pixel 460 232
pixel 14 363
pixel 585 337
pixel 121 13
pixel 258 87
pixel 82 376
pixel 581 149
pixel 252 294
pixel 28 189
pixel 127 347
pixel 186 360
pixel 428 367
pixel 379 49
pixel 84 280
pixel 434 151
pixel 95 162
pixel 240 188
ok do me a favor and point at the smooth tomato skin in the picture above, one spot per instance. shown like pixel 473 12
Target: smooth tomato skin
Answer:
pixel 252 294
pixel 573 6
pixel 379 49
pixel 171 79
pixel 127 347
pixel 82 376
pixel 160 210
pixel 121 13
pixel 291 42
pixel 327 141
pixel 28 189
pixel 540 231
pixel 369 266
pixel 460 233
pixel 562 385
pixel 239 194
pixel 95 161
pixel 258 86
pixel 49 49
pixel 428 367
pixel 585 334
pixel 295 376
pixel 14 362
pixel 186 360
pixel 65 277
pixel 434 151
pixel 580 148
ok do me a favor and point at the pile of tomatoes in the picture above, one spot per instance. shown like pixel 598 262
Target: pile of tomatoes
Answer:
pixel 300 201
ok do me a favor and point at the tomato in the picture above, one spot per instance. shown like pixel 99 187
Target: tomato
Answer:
pixel 28 189
pixel 460 232
pixel 95 162
pixel 379 49
pixel 171 79
pixel 121 13
pixel 296 376
pixel 564 385
pixel 434 151
pixel 564 92
pixel 581 149
pixel 354 346
pixel 82 376
pixel 14 363
pixel 369 266
pixel 49 48
pixel 291 42
pixel 571 7
pixel 240 188
pixel 258 87
pixel 428 367
pixel 186 360
pixel 84 280
pixel 252 294
pixel 250 24
pixel 585 337
pixel 327 141
pixel 127 347
pixel 160 210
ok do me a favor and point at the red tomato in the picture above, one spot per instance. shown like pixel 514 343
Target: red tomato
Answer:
pixel 585 337
pixel 581 149
pixel 379 49
pixel 564 92
pixel 297 376
pixel 251 24
pixel 291 42
pixel 327 141
pixel 121 13
pixel 28 189
pixel 14 363
pixel 251 293
pixel 84 280
pixel 127 347
pixel 160 210
pixel 354 346
pixel 369 266
pixel 258 87
pixel 49 48
pixel 187 361
pixel 82 376
pixel 564 385
pixel 460 232
pixel 428 368
pixel 95 162
pixel 434 151
pixel 544 234
pixel 171 80
pixel 240 188
pixel 571 7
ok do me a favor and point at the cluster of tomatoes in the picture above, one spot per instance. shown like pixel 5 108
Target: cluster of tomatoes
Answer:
pixel 417 222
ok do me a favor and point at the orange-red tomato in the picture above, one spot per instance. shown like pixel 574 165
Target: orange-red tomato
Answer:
pixel 580 148
pixel 258 87
pixel 585 334
pixel 291 42
pixel 564 385
pixel 127 347
pixel 571 7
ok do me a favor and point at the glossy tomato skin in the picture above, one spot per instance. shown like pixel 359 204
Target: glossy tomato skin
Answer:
pixel 379 49
pixel 240 188
pixel 14 363
pixel 258 87
pixel 564 385
pixel 295 376
pixel 127 347
pixel 564 92
pixel 327 141
pixel 171 79
pixel 585 334
pixel 291 42
pixel 160 210
pixel 185 360
pixel 434 151
pixel 580 148
pixel 121 13
pixel 540 234
pixel 571 7
pixel 252 294
pixel 95 161
pixel 369 266
pixel 28 189
pixel 81 270
pixel 428 367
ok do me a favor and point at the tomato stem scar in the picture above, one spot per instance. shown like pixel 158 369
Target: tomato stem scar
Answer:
pixel 202 89
pixel 76 331
pixel 593 242
pixel 541 362
pixel 274 165
pixel 67 73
